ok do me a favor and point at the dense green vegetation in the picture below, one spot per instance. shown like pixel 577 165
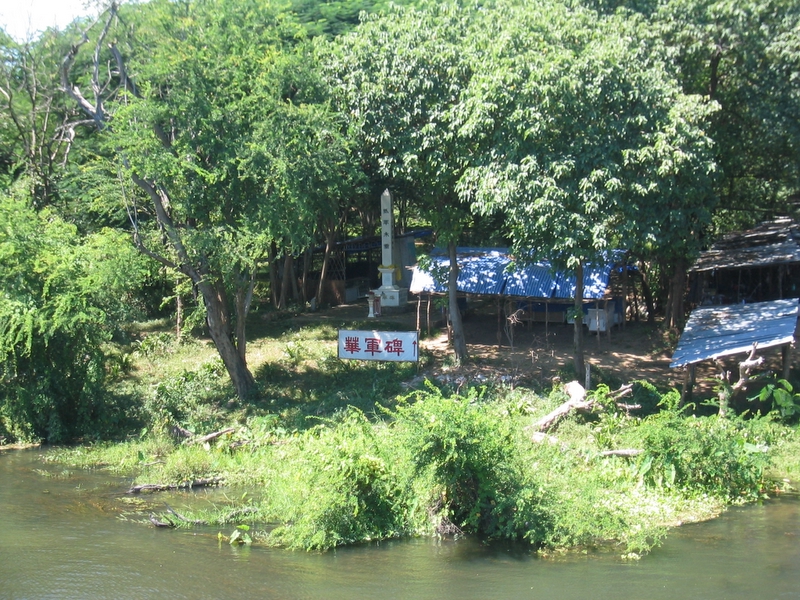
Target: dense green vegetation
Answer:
pixel 182 160
pixel 314 470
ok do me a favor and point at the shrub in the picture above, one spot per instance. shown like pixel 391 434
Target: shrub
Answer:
pixel 713 455
pixel 188 399
pixel 468 455
pixel 340 487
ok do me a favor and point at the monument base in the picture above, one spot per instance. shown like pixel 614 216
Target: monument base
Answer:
pixel 392 296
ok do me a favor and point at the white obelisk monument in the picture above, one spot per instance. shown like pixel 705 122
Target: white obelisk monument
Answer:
pixel 390 294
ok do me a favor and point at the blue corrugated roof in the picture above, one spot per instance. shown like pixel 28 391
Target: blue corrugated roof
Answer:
pixel 531 281
pixel 482 271
pixel 486 271
pixel 595 282
pixel 716 331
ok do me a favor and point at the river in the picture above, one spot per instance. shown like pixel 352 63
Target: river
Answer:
pixel 75 535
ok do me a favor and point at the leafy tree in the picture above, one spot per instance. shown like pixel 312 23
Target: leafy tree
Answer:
pixel 399 76
pixel 586 142
pixel 210 121
pixel 746 57
pixel 61 299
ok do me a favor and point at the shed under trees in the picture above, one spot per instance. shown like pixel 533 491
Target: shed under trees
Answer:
pixel 530 291
pixel 756 265
pixel 715 332
pixel 746 288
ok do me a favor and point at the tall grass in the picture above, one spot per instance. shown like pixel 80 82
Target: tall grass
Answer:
pixel 334 452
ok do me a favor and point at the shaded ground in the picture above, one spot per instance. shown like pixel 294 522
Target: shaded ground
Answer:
pixel 540 352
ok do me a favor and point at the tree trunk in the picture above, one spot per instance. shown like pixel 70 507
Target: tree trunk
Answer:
pixel 307 256
pixel 648 294
pixel 285 282
pixel 290 269
pixel 459 342
pixel 677 289
pixel 178 312
pixel 330 238
pixel 244 298
pixel 214 298
pixel 273 275
pixel 219 326
pixel 577 340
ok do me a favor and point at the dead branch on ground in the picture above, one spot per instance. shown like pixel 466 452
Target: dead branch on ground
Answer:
pixel 578 402
pixel 184 485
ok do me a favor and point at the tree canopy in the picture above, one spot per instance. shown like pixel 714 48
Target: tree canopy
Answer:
pixel 229 138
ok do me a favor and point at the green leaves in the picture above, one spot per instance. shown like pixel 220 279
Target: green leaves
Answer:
pixel 240 536
pixel 589 135
pixel 62 298
pixel 712 455
pixel 785 402
pixel 736 54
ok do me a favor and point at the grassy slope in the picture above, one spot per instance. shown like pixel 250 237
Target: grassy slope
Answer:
pixel 330 451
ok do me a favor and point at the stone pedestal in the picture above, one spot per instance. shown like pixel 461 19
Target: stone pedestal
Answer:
pixel 393 296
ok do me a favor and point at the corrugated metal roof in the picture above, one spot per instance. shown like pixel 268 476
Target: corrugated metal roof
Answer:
pixel 769 243
pixel 530 281
pixel 595 283
pixel 482 271
pixel 486 271
pixel 716 331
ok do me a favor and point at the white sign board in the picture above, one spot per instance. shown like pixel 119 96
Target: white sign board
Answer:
pixel 379 345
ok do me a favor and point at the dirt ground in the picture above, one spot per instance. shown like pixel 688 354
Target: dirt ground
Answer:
pixel 540 352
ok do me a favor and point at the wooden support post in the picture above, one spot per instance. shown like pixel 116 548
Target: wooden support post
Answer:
pixel 429 315
pixel 499 322
pixel 546 323
pixel 625 284
pixel 688 383
pixel 786 355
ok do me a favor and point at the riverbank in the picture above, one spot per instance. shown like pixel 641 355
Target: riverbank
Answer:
pixel 73 533
pixel 445 464
pixel 331 452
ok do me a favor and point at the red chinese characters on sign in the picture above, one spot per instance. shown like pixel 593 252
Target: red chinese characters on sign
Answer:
pixel 379 345
pixel 394 346
pixel 352 344
pixel 373 345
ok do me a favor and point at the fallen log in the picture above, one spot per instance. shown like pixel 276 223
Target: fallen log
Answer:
pixel 184 485
pixel 577 401
pixel 158 523
pixel 622 452
pixel 212 436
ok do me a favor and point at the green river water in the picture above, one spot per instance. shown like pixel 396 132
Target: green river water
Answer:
pixel 77 535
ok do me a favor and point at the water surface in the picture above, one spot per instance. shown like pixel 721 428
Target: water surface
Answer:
pixel 76 535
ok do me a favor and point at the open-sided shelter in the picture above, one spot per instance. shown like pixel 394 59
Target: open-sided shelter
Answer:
pixel 756 265
pixel 714 332
pixel 532 289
